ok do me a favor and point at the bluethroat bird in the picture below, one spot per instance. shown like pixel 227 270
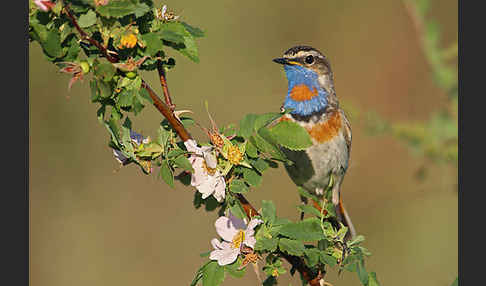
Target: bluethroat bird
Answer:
pixel 314 106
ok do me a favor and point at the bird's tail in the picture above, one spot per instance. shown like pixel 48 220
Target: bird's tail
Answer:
pixel 343 217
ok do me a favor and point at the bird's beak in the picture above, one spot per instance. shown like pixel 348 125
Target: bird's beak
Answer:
pixel 284 61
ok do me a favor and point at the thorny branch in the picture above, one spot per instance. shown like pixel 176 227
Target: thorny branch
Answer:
pixel 167 111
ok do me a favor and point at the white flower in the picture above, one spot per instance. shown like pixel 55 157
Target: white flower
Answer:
pixel 206 178
pixel 235 234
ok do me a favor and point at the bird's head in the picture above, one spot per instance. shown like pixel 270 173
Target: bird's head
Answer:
pixel 310 80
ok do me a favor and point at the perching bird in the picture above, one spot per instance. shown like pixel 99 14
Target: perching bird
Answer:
pixel 315 107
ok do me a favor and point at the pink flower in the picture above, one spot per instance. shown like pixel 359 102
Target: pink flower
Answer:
pixel 207 179
pixel 235 234
pixel 44 5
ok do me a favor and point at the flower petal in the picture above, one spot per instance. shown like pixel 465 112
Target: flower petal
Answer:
pixel 253 223
pixel 210 159
pixel 191 145
pixel 225 228
pixel 249 240
pixel 236 222
pixel 225 256
pixel 216 243
pixel 220 189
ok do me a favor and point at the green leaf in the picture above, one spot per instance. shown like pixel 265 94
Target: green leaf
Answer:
pixel 291 135
pixel 213 274
pixel 233 269
pixel 251 151
pixel 141 9
pixel 308 229
pixel 52 45
pixel 267 147
pixel 199 273
pixel 373 281
pixel 237 210
pixel 194 31
pixel 190 49
pixel 173 32
pixel 362 274
pixel 87 19
pixel 327 259
pixel 153 42
pixel 252 177
pixel 266 244
pixel 105 70
pixel 117 9
pixel 247 125
pixel 183 162
pixel 125 98
pixel 238 186
pixel 312 255
pixel 308 195
pixel 309 210
pixel 166 173
pixel 292 247
pixel 263 120
pixel 269 212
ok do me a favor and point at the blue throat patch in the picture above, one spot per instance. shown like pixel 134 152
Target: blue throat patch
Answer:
pixel 296 76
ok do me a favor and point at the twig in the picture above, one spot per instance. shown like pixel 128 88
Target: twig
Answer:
pixel 84 36
pixel 167 113
pixel 163 83
pixel 297 262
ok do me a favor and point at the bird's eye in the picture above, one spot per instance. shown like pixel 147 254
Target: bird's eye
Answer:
pixel 309 60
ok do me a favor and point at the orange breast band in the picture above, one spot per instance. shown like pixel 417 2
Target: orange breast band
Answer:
pixel 302 93
pixel 325 131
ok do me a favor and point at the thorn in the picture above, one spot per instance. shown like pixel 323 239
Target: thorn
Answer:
pixel 179 112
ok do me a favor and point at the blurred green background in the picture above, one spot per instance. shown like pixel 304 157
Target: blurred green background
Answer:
pixel 92 224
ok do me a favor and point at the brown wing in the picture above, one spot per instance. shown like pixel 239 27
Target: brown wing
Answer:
pixel 346 130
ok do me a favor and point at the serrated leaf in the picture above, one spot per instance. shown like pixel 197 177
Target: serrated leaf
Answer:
pixel 105 70
pixel 238 186
pixel 88 19
pixel 327 259
pixel 266 147
pixel 266 244
pixel 125 98
pixel 153 42
pixel 263 120
pixel 252 177
pixel 52 45
pixel 309 210
pixel 269 212
pixel 306 230
pixel 190 50
pixel 141 9
pixel 166 173
pixel 233 269
pixel 173 32
pixel 251 151
pixel 116 9
pixel 290 135
pixel 199 273
pixel 312 255
pixel 213 274
pixel 183 162
pixel 362 274
pixel 194 31
pixel 247 125
pixel 292 247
